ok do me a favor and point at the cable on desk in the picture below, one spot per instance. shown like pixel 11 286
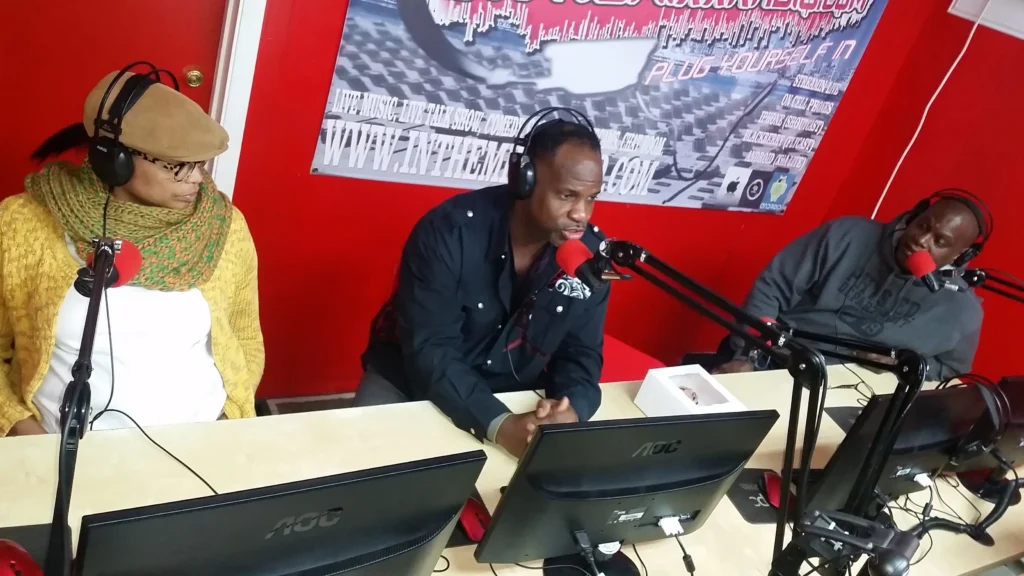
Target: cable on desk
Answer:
pixel 817 569
pixel 447 565
pixel 493 571
pixel 157 444
pixel 687 559
pixel 863 400
pixel 110 398
pixel 946 504
pixel 637 553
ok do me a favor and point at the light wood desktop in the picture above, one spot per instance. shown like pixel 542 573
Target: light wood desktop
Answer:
pixel 122 469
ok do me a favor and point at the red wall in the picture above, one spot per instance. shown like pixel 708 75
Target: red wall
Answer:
pixel 971 140
pixel 329 246
pixel 51 56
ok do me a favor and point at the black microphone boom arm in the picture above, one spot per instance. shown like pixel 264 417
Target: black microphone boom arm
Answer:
pixel 984 278
pixel 806 365
pixel 75 405
pixel 788 348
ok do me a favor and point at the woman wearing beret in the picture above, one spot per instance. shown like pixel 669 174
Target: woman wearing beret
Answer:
pixel 181 342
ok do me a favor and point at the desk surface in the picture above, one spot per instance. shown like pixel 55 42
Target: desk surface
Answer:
pixel 121 469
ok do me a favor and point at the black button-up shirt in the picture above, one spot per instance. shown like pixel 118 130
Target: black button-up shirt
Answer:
pixel 450 334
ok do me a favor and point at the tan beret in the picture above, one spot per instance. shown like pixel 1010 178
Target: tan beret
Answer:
pixel 163 123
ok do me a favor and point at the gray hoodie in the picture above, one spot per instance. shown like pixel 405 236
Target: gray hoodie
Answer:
pixel 841 279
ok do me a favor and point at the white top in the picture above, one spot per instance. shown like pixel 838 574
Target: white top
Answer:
pixel 163 362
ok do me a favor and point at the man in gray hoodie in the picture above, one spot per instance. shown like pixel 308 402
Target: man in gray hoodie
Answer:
pixel 849 279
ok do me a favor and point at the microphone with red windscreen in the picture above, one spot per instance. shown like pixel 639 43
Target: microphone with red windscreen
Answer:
pixel 127 263
pixel 15 561
pixel 571 255
pixel 577 261
pixel 922 266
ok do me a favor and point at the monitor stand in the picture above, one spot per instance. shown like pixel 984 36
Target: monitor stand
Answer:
pixel 988 485
pixel 608 558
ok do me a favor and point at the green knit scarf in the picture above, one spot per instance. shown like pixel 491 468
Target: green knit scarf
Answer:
pixel 180 248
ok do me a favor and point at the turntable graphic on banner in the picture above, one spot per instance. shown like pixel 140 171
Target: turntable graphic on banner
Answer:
pixel 719 107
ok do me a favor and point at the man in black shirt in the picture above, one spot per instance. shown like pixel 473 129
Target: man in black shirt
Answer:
pixel 482 307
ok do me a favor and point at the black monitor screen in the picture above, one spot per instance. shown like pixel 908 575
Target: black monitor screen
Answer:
pixel 934 425
pixel 616 479
pixel 384 521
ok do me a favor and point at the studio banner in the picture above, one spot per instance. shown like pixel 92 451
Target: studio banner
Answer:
pixel 698 103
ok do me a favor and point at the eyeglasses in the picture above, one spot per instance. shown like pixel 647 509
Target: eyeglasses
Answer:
pixel 180 170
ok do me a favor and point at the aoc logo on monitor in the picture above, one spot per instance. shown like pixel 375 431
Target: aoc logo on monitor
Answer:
pixel 305 522
pixel 655 448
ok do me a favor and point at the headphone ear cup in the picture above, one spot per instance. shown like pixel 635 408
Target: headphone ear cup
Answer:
pixel 112 162
pixel 968 255
pixel 527 178
pixel 514 163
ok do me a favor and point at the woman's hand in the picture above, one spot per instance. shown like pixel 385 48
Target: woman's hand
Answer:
pixel 27 427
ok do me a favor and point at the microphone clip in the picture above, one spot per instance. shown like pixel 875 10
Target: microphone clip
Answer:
pixel 87 274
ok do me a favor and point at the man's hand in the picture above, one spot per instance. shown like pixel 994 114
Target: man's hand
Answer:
pixel 734 366
pixel 27 427
pixel 517 430
pixel 555 411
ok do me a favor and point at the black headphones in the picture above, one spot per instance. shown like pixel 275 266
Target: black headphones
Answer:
pixel 973 203
pixel 112 161
pixel 522 175
pixel 997 407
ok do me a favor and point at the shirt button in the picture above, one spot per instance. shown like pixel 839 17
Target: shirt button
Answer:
pixel 596 229
pixel 480 305
pixel 472 431
pixel 530 317
pixel 488 362
pixel 502 256
pixel 499 326
pixel 469 213
pixel 559 309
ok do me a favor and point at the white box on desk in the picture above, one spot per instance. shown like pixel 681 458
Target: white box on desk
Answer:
pixel 662 394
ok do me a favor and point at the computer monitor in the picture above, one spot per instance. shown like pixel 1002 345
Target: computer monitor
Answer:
pixel 985 476
pixel 378 522
pixel 614 480
pixel 934 425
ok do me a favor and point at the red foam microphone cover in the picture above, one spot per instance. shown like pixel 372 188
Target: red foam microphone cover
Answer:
pixel 920 264
pixel 15 561
pixel 127 262
pixel 571 254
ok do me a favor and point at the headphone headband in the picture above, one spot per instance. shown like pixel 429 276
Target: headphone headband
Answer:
pixel 521 171
pixel 524 139
pixel 99 122
pixel 112 161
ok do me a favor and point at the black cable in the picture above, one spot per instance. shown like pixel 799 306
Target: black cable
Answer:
pixel 931 544
pixel 110 341
pixel 864 398
pixel 106 305
pixel 541 568
pixel 687 559
pixel 817 569
pixel 958 517
pixel 447 565
pixel 637 553
pixel 106 205
pixel 157 444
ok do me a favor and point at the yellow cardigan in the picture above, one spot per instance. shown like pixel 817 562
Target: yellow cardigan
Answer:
pixel 36 272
